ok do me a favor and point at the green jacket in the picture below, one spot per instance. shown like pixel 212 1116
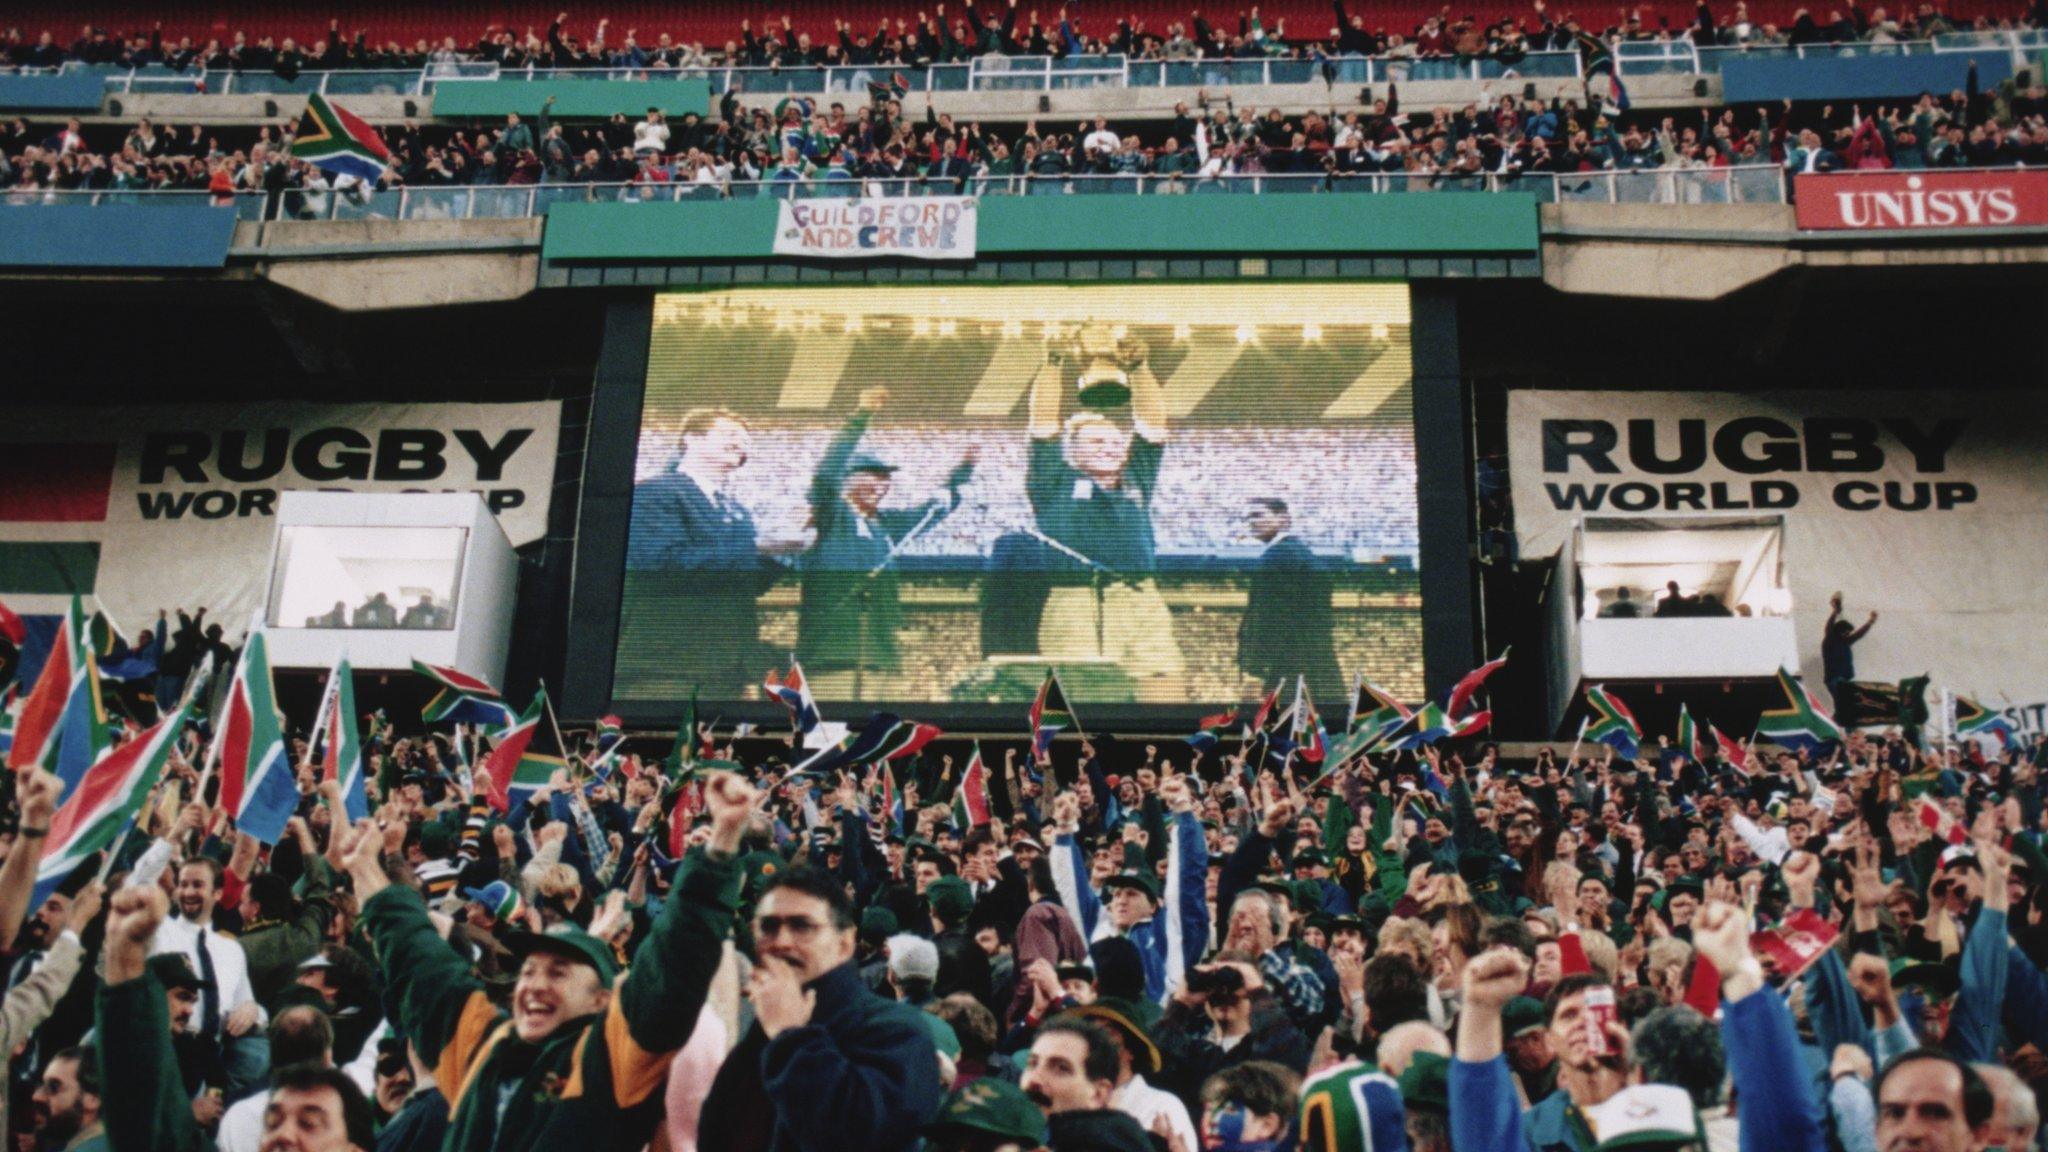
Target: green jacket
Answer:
pixel 277 948
pixel 851 605
pixel 595 1085
pixel 143 1103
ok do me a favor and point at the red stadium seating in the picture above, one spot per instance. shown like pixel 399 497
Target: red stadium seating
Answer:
pixel 715 21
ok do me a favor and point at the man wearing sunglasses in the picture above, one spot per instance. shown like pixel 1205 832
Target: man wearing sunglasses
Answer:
pixel 827 1064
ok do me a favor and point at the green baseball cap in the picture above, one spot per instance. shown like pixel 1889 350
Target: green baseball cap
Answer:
pixel 1522 1014
pixel 174 970
pixel 1426 1083
pixel 949 898
pixel 1141 881
pixel 758 867
pixel 1123 1016
pixel 1936 979
pixel 991 1107
pixel 569 942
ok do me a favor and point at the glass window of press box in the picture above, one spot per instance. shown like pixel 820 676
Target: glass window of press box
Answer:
pixel 368 578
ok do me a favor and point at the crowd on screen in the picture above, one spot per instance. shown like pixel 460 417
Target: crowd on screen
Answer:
pixel 884 148
pixel 993 28
pixel 1100 945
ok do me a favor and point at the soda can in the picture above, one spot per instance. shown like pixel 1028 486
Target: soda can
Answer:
pixel 1599 1012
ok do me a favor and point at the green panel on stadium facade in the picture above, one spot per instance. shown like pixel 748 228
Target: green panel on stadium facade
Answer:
pixel 49 567
pixel 745 229
pixel 573 97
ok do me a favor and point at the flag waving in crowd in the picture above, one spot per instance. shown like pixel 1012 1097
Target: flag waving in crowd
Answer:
pixel 62 722
pixel 105 803
pixel 1688 743
pixel 336 140
pixel 1802 724
pixel 1049 714
pixel 526 755
pixel 256 779
pixel 1612 723
pixel 794 694
pixel 337 746
pixel 462 698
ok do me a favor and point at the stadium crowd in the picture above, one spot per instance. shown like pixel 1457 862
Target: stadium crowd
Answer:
pixel 992 29
pixel 882 145
pixel 1095 947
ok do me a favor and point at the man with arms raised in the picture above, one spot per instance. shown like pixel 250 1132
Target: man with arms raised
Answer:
pixel 144 1106
pixel 578 1063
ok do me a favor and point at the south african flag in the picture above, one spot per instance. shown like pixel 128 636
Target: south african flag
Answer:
pixel 1613 724
pixel 1973 719
pixel 335 140
pixel 1802 725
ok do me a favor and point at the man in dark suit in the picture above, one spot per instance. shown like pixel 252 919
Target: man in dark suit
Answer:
pixel 696 566
pixel 1287 627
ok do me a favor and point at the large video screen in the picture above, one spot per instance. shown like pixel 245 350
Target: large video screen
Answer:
pixel 1173 494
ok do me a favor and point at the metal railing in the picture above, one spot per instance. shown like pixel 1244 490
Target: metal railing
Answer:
pixel 990 73
pixel 245 205
pixel 1754 184
pixel 1683 57
pixel 1759 184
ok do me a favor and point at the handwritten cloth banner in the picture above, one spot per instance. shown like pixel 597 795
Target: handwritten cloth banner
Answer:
pixel 916 228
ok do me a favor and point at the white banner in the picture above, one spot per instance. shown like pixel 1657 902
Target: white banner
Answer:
pixel 917 228
pixel 180 500
pixel 1928 508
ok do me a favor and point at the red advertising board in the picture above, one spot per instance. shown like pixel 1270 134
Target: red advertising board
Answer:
pixel 1919 199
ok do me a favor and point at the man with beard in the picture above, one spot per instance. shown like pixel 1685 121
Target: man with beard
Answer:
pixel 64 1112
pixel 47 954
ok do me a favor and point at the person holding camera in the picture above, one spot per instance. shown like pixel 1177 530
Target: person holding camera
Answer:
pixel 1225 1016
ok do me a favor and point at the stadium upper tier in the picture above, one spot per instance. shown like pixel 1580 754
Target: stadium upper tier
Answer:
pixel 716 23
pixel 1072 73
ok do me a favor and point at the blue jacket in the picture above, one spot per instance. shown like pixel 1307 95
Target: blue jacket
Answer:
pixel 1779 1112
pixel 2026 1000
pixel 862 1076
pixel 1973 1024
pixel 1171 942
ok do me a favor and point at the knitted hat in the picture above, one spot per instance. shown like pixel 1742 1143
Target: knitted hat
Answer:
pixel 500 900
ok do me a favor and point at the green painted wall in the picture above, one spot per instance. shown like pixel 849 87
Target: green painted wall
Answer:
pixel 1253 225
pixel 468 99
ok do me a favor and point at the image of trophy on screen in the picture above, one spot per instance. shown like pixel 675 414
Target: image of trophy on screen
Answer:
pixel 1090 480
pixel 1105 358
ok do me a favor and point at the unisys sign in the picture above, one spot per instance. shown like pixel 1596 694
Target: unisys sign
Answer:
pixel 1875 200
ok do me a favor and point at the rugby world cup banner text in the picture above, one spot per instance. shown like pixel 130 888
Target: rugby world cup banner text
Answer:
pixel 1929 508
pixel 916 228
pixel 1878 200
pixel 178 502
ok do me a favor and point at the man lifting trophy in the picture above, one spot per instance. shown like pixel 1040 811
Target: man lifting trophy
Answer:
pixel 1091 481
